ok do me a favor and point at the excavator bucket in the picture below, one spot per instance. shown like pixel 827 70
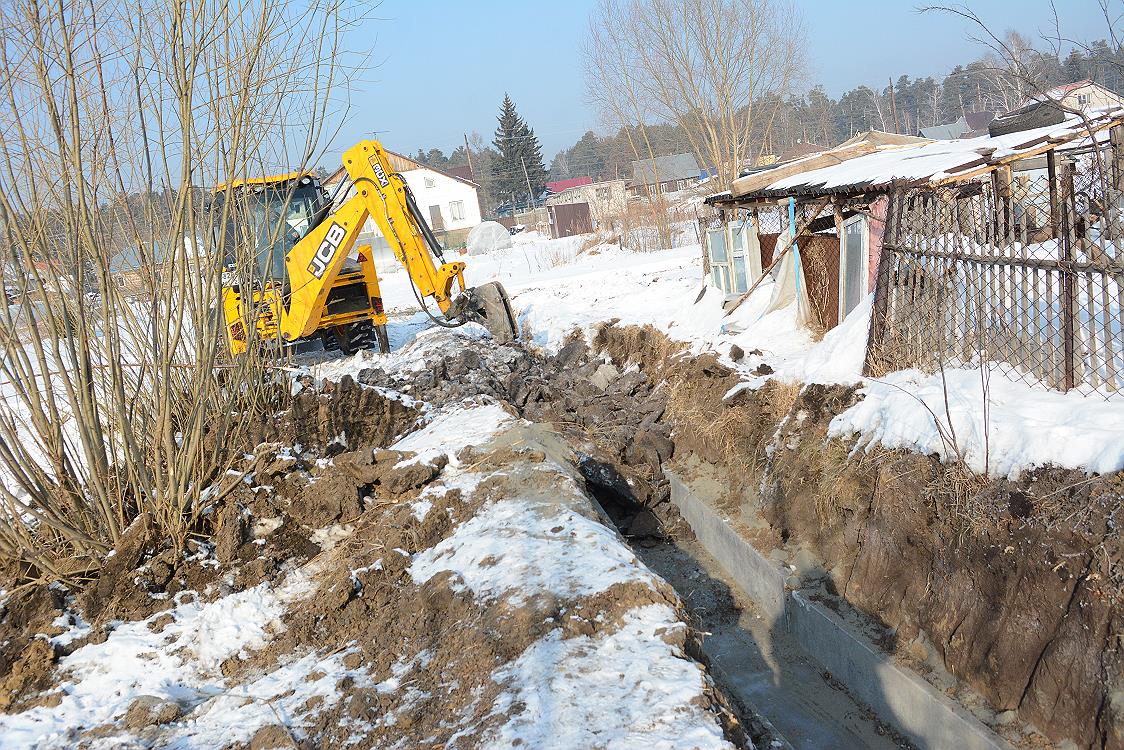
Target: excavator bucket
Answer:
pixel 491 308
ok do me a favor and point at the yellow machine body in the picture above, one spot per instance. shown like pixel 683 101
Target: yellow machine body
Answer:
pixel 312 289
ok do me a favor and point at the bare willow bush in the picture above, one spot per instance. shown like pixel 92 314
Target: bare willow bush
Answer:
pixel 118 119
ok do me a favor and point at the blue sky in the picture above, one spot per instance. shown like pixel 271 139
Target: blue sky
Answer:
pixel 439 68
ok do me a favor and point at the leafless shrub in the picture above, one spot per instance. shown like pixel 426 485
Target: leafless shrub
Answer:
pixel 117 119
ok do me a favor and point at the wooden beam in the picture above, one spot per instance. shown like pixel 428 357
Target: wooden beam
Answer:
pixel 820 206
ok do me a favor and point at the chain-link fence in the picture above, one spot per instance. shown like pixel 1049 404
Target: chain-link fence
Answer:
pixel 1024 270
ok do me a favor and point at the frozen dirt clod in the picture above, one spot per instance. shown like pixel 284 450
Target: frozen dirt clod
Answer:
pixel 149 710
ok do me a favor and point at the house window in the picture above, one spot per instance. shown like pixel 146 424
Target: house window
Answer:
pixel 430 182
pixel 456 210
pixel 854 263
pixel 735 256
pixel 604 193
pixel 719 258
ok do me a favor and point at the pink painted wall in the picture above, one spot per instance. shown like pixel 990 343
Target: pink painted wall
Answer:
pixel 877 227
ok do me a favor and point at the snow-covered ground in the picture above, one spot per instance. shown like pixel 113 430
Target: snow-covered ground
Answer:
pixel 555 289
pixel 625 685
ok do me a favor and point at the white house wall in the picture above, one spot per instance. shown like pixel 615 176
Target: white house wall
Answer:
pixel 445 191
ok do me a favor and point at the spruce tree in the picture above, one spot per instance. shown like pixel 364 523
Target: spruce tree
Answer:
pixel 518 149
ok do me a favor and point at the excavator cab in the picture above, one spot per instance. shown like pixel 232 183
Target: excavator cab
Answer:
pixel 297 274
pixel 269 217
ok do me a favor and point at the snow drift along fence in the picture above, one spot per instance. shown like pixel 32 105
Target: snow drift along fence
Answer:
pixel 1025 271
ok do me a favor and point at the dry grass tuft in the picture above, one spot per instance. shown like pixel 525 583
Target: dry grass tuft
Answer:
pixel 840 478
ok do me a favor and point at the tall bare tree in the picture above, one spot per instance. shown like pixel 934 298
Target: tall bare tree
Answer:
pixel 720 69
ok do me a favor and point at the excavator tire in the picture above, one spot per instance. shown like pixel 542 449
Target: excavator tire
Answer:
pixel 331 341
pixel 363 335
pixel 493 310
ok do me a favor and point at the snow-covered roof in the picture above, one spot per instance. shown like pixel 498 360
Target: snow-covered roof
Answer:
pixel 928 162
pixel 947 131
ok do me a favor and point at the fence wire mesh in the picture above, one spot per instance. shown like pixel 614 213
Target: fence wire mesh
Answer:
pixel 1025 271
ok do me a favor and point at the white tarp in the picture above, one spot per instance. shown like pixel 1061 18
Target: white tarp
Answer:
pixel 785 289
pixel 488 237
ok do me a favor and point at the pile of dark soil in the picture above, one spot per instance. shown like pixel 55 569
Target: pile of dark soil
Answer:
pixel 614 413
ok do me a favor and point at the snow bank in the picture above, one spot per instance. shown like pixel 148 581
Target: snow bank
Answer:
pixel 516 549
pixel 1026 426
pixel 626 689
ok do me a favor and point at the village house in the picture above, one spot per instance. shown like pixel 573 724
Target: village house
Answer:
pixel 606 200
pixel 450 203
pixel 1081 95
pixel 664 174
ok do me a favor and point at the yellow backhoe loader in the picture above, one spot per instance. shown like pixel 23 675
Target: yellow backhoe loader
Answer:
pixel 305 283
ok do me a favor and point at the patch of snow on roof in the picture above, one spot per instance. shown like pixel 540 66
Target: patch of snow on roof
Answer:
pixel 929 161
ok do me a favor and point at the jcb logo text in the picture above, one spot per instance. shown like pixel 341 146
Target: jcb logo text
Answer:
pixel 327 250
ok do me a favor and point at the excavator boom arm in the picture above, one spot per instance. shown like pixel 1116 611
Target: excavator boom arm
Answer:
pixel 315 261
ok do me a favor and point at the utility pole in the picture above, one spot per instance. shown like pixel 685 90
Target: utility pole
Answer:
pixel 468 151
pixel 528 179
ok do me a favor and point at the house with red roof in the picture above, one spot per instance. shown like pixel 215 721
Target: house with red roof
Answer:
pixel 559 185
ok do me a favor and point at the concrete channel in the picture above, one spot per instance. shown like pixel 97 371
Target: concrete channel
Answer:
pixel 800 632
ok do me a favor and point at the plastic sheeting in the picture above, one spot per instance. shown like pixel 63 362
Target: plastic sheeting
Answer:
pixel 786 289
pixel 488 237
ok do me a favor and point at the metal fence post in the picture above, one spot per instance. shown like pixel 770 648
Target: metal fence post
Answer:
pixel 1069 280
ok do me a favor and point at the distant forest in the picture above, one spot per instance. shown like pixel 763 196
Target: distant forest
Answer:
pixel 904 106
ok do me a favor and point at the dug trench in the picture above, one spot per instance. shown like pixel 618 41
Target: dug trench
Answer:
pixel 1004 594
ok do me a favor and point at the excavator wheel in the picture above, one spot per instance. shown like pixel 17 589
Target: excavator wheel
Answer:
pixel 363 335
pixel 493 309
pixel 331 341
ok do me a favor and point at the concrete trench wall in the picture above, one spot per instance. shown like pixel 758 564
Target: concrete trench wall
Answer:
pixel 914 707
